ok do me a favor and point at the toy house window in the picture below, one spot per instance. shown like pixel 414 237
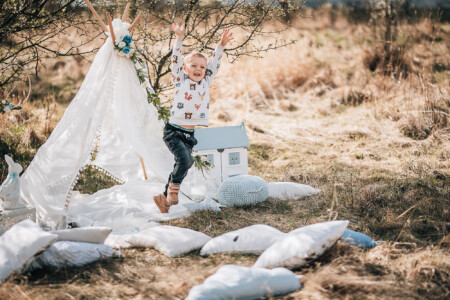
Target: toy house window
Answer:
pixel 234 158
pixel 210 158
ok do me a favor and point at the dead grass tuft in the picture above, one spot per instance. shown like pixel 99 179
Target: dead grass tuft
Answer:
pixel 417 127
pixel 395 61
pixel 286 105
pixel 224 116
pixel 421 124
pixel 350 96
pixel 325 80
pixel 427 31
pixel 12 291
pixel 374 195
pixel 380 273
pixel 255 128
pixel 31 138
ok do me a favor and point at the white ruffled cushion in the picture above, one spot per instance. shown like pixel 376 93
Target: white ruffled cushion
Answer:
pixel 170 240
pixel 290 190
pixel 72 254
pixel 253 239
pixel 242 190
pixel 238 282
pixel 19 244
pixel 302 245
pixel 96 235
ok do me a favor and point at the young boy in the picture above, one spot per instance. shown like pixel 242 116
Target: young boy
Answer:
pixel 190 108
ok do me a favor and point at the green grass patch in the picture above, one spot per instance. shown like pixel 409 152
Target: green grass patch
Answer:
pixel 92 180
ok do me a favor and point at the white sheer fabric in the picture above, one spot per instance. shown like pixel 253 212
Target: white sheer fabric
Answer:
pixel 110 110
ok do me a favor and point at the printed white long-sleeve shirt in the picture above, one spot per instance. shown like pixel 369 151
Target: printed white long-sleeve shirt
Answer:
pixel 191 100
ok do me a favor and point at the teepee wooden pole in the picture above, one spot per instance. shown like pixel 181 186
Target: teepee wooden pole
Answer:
pixel 113 36
pixel 96 15
pixel 134 23
pixel 143 166
pixel 125 12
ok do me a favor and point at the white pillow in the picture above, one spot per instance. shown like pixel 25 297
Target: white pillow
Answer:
pixel 290 190
pixel 252 239
pixel 302 245
pixel 96 235
pixel 118 240
pixel 237 282
pixel 72 254
pixel 19 244
pixel 170 240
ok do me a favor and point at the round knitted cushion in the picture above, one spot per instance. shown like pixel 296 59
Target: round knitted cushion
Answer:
pixel 243 190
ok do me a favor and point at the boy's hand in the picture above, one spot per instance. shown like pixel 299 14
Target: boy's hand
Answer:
pixel 179 30
pixel 226 37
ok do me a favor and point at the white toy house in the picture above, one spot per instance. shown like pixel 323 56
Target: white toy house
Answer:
pixel 225 148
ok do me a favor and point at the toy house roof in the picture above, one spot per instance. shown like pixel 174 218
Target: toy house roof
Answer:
pixel 221 137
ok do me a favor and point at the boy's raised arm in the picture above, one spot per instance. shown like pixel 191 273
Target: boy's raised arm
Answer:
pixel 177 59
pixel 214 63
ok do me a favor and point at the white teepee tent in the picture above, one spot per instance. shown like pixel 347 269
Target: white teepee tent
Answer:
pixel 110 112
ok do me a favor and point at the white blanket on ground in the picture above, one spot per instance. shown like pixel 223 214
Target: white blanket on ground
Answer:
pixel 132 200
pixel 129 208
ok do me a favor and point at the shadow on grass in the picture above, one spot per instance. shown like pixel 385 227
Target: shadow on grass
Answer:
pixel 82 275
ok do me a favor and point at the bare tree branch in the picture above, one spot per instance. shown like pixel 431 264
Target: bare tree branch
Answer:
pixel 30 31
pixel 204 22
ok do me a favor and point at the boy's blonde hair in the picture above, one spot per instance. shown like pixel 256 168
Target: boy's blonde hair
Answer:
pixel 194 54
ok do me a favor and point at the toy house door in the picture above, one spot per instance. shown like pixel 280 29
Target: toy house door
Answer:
pixel 234 162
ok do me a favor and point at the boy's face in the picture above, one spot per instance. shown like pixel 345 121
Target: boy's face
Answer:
pixel 195 68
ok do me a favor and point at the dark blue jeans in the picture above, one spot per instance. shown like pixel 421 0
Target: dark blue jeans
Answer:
pixel 180 143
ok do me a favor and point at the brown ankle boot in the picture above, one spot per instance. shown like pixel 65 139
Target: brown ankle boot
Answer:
pixel 172 194
pixel 161 202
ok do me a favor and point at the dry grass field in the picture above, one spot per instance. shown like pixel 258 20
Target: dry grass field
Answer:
pixel 376 145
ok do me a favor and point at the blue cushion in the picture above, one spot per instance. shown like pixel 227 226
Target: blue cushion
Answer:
pixel 243 190
pixel 359 239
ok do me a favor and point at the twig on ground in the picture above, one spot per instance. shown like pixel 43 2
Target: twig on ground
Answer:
pixel 406 223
